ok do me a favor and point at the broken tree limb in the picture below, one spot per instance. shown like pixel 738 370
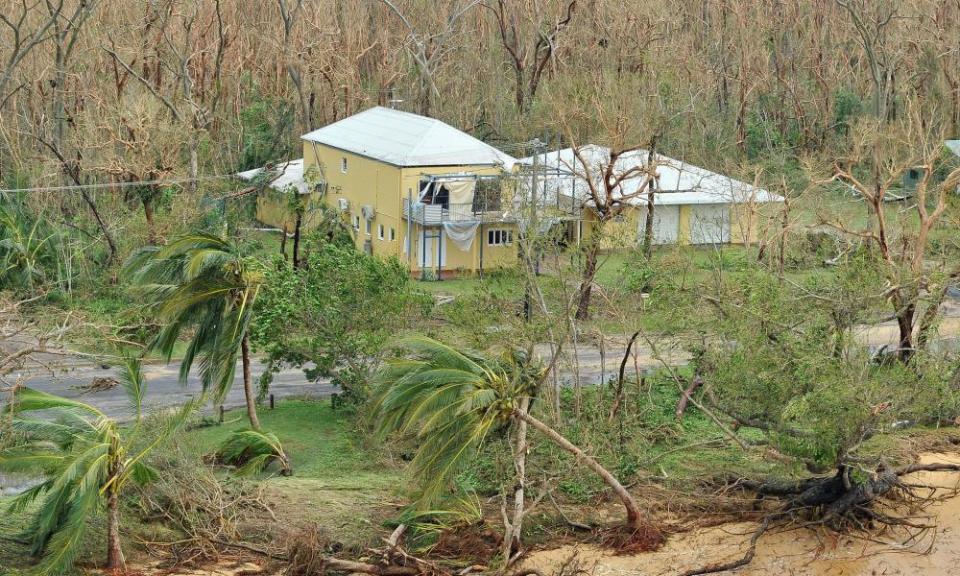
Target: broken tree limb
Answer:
pixel 687 395
pixel 618 397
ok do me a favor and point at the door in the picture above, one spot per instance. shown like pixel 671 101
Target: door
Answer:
pixel 710 224
pixel 428 242
pixel 666 224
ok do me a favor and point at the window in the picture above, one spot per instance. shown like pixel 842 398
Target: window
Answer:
pixel 380 231
pixel 393 234
pixel 369 227
pixel 356 223
pixel 343 165
pixel 499 237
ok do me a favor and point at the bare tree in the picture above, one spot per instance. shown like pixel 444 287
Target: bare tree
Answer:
pixel 430 49
pixel 531 46
pixel 871 20
pixel 608 197
pixel 882 155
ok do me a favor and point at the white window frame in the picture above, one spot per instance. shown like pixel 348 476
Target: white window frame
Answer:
pixel 379 231
pixel 343 164
pixel 369 227
pixel 499 237
pixel 356 222
pixel 393 234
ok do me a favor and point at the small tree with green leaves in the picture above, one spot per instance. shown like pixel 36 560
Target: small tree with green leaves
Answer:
pixel 332 316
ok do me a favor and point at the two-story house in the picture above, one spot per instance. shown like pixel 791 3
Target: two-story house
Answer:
pixel 411 187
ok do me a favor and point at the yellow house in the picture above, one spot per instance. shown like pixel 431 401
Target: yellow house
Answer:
pixel 692 205
pixel 410 187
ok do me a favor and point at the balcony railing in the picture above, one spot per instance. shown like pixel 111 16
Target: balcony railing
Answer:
pixel 436 214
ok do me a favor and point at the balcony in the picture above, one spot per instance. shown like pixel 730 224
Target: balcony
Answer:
pixel 437 214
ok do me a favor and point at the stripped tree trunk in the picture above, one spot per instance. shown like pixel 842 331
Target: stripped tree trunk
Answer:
pixel 248 384
pixel 115 560
pixel 586 280
pixel 635 518
pixel 513 527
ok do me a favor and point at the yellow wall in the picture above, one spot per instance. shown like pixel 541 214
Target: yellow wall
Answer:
pixel 745 225
pixel 385 187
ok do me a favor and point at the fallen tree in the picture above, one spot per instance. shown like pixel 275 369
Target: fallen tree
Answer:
pixel 840 504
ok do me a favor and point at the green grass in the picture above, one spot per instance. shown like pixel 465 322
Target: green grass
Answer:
pixel 322 443
pixel 341 482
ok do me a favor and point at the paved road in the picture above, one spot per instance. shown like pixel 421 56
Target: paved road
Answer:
pixel 164 388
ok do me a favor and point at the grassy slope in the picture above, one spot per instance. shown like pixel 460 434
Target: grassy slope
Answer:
pixel 339 481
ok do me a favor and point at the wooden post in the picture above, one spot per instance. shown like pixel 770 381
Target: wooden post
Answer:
pixel 271 401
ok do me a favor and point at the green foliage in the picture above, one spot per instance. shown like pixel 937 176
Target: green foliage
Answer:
pixel 252 451
pixel 452 400
pixel 847 105
pixel 266 131
pixel 332 315
pixel 638 273
pixel 815 391
pixel 84 458
pixel 27 247
pixel 202 284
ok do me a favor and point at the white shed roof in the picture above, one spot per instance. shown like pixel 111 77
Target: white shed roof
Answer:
pixel 289 172
pixel 405 139
pixel 678 182
pixel 953 146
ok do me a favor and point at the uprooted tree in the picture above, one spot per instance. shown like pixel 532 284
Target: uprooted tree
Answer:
pixel 820 400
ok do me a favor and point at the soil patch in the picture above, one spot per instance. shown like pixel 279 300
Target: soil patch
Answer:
pixel 793 552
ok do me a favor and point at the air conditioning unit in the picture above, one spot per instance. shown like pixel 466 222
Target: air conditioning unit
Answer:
pixel 320 188
pixel 368 212
pixel 343 204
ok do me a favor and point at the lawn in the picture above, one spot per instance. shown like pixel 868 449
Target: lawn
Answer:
pixel 341 481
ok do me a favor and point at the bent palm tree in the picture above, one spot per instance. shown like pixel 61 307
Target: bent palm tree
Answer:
pixel 452 399
pixel 202 282
pixel 87 459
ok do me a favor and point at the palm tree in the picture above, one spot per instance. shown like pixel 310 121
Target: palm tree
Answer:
pixel 87 459
pixel 25 247
pixel 202 282
pixel 452 399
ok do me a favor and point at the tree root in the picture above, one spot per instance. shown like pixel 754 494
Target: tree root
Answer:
pixel 835 503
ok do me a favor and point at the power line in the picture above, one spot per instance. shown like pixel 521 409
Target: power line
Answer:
pixel 95 186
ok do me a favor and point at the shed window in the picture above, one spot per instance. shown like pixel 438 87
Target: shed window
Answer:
pixel 343 165
pixel 499 237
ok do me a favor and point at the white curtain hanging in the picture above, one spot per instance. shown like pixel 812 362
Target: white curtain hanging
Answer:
pixel 462 233
pixel 461 191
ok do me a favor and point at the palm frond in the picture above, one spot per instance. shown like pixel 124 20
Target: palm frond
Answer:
pixel 251 451
pixel 133 383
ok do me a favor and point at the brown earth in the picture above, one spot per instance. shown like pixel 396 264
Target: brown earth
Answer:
pixel 792 553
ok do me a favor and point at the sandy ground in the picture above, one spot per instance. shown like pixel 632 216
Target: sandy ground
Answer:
pixel 793 553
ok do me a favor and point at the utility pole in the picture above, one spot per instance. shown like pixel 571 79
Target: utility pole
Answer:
pixel 530 235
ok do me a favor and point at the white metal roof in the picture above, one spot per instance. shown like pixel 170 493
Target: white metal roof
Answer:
pixel 287 173
pixel 953 146
pixel 405 139
pixel 677 181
